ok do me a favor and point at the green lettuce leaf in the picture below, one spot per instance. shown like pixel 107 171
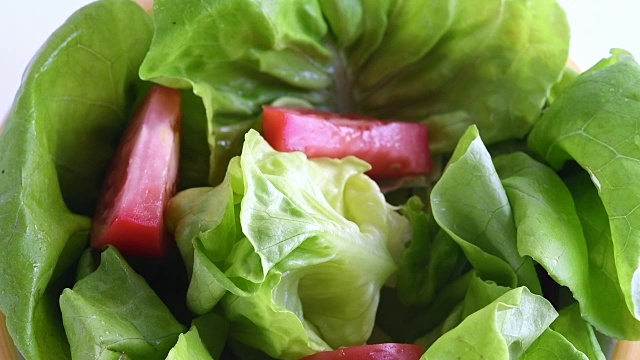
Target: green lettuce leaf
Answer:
pixel 503 329
pixel 194 146
pixel 205 339
pixel 212 330
pixel 56 144
pixel 470 204
pixel 189 346
pixel 113 311
pixel 594 122
pixel 449 63
pixel 573 327
pixel 604 282
pixel 552 345
pixel 568 337
pixel 550 232
pixel 294 251
pixel 430 262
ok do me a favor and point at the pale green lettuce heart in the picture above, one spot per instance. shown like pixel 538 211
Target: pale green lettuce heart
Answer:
pixel 294 250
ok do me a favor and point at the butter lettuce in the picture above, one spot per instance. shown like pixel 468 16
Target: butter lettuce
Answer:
pixel 504 329
pixel 470 204
pixel 54 149
pixel 551 232
pixel 291 254
pixel 449 63
pixel 501 323
pixel 593 122
pixel 294 251
pixel 113 311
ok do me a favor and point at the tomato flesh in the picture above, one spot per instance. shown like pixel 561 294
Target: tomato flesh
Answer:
pixel 141 179
pixel 394 149
pixel 389 351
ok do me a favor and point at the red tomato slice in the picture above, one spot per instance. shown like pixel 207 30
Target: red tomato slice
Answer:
pixel 390 351
pixel 141 180
pixel 394 149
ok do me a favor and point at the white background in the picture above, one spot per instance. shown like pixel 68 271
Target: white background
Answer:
pixel 597 26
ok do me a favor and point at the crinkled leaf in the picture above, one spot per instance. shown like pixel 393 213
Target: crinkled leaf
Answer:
pixel 300 248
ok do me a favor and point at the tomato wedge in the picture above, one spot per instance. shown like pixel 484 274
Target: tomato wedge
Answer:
pixel 394 149
pixel 141 179
pixel 389 351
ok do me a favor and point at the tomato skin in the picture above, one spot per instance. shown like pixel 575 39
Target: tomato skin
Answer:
pixel 141 180
pixel 388 351
pixel 394 149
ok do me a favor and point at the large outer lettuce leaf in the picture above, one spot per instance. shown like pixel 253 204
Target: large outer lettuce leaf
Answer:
pixel 54 150
pixel 594 122
pixel 470 204
pixel 604 281
pixel 237 55
pixel 493 67
pixel 113 311
pixel 450 63
pixel 296 249
pixel 431 260
pixel 550 232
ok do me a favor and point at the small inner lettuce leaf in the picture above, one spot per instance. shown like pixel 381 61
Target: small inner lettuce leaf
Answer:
pixel 550 232
pixel 594 122
pixel 503 329
pixel 206 225
pixel 552 345
pixel 450 63
pixel 471 205
pixel 431 260
pixel 113 312
pixel 194 145
pixel 54 149
pixel 568 337
pixel 573 327
pixel 406 324
pixel 294 250
pixel 212 331
pixel 189 346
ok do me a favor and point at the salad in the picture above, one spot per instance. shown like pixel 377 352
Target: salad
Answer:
pixel 516 237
